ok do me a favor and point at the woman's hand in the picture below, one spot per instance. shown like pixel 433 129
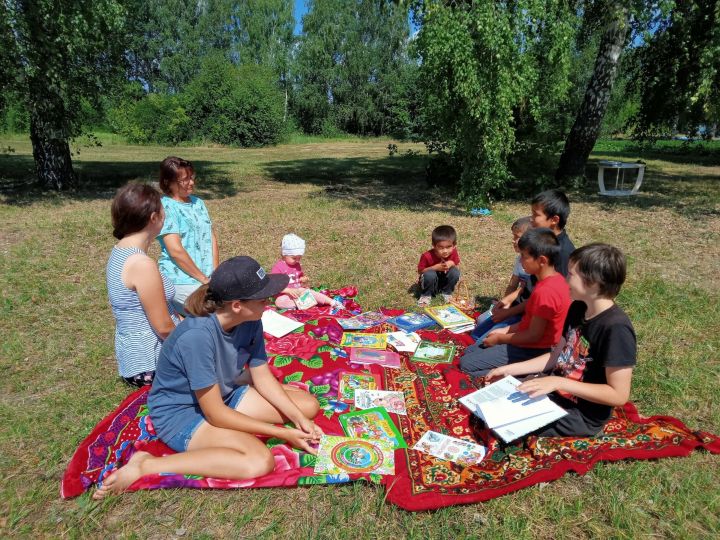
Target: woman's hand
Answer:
pixel 541 386
pixel 299 439
pixel 310 427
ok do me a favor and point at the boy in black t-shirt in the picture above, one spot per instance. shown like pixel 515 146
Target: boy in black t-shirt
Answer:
pixel 593 363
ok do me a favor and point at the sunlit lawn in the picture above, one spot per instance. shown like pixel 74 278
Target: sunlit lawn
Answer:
pixel 366 217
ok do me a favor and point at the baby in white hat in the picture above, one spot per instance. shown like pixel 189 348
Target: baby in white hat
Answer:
pixel 292 250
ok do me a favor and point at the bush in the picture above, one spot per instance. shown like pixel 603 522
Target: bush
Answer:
pixel 14 118
pixel 155 118
pixel 235 105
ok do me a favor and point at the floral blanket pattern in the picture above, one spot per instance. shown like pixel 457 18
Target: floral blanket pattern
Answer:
pixel 311 358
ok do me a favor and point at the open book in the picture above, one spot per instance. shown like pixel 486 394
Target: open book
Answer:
pixel 509 412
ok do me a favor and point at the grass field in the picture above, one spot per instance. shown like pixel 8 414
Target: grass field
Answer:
pixel 366 218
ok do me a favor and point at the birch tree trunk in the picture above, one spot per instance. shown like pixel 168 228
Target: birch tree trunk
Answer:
pixel 49 138
pixel 585 130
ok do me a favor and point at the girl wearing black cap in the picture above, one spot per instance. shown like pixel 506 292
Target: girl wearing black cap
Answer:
pixel 201 404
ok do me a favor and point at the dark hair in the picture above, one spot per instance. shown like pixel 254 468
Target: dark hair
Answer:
pixel 553 203
pixel 521 224
pixel 444 233
pixel 169 171
pixel 201 302
pixel 539 242
pixel 602 265
pixel 132 207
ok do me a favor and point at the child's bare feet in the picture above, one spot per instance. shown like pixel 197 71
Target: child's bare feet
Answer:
pixel 121 479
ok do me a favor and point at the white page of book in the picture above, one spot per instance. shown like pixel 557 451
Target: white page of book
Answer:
pixel 502 406
pixel 278 325
pixel 512 431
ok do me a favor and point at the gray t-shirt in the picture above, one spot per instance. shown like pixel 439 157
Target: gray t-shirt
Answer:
pixel 197 355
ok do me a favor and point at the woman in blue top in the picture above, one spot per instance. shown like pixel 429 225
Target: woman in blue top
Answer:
pixel 201 404
pixel 139 295
pixel 189 248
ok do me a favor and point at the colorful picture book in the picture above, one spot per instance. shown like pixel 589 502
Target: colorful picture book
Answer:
pixel 403 341
pixel 432 352
pixel 349 381
pixel 352 324
pixel 448 316
pixel 375 356
pixel 456 450
pixel 278 325
pixel 306 300
pixel 372 318
pixel 410 322
pixel 374 424
pixel 509 412
pixel 392 402
pixel 338 455
pixel 367 341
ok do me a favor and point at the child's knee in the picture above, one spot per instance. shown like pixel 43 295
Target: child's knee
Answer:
pixel 312 407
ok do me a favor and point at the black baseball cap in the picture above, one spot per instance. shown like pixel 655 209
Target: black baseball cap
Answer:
pixel 242 278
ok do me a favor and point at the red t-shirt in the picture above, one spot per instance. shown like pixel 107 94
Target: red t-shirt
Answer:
pixel 549 300
pixel 429 258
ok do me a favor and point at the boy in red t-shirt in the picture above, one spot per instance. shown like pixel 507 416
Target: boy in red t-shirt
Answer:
pixel 541 325
pixel 438 267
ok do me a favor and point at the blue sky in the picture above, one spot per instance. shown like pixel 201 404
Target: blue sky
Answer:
pixel 301 9
pixel 298 12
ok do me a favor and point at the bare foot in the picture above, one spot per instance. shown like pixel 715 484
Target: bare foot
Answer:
pixel 121 479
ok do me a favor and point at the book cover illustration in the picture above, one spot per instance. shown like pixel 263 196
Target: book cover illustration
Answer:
pixel 352 324
pixel 372 318
pixel 348 382
pixel 374 424
pixel 375 356
pixel 306 300
pixel 403 341
pixel 391 401
pixel 432 352
pixel 459 451
pixel 338 455
pixel 409 322
pixel 448 316
pixel 367 341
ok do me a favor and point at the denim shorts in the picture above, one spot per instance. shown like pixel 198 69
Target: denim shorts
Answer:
pixel 179 442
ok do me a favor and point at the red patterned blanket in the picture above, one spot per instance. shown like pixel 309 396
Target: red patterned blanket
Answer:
pixel 311 358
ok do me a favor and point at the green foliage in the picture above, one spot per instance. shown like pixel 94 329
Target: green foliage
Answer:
pixel 678 72
pixel 352 71
pixel 235 105
pixel 14 118
pixel 486 66
pixel 155 118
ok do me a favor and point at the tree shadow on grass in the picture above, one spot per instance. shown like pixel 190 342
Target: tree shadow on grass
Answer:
pixel 709 157
pixel 99 180
pixel 690 195
pixel 391 182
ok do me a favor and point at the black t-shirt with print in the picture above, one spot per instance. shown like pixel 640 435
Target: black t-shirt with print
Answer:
pixel 587 348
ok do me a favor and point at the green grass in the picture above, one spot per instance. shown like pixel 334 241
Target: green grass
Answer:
pixel 366 218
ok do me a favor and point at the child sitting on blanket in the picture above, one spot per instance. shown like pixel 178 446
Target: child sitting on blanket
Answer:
pixel 541 325
pixel 517 291
pixel 292 250
pixel 592 365
pixel 438 267
pixel 202 403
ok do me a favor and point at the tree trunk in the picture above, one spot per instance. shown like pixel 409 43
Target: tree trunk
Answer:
pixel 51 150
pixel 585 130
